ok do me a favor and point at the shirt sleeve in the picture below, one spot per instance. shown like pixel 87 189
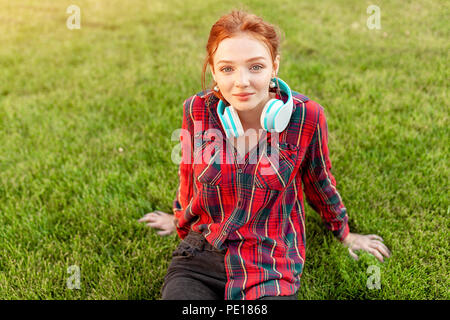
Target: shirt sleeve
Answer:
pixel 320 185
pixel 184 193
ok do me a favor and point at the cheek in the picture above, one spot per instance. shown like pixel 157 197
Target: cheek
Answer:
pixel 262 85
pixel 223 82
pixel 225 87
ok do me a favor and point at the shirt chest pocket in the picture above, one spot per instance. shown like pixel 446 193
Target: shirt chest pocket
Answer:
pixel 273 171
pixel 207 159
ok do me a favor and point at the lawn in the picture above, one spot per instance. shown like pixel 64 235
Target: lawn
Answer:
pixel 86 123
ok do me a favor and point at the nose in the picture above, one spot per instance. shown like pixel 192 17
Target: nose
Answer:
pixel 242 79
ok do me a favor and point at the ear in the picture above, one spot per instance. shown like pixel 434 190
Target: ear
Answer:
pixel 276 65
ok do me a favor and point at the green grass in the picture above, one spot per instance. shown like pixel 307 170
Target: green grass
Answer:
pixel 70 99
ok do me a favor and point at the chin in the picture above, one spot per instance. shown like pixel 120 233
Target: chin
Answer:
pixel 247 103
pixel 242 106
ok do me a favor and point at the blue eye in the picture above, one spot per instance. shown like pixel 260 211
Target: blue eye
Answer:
pixel 258 68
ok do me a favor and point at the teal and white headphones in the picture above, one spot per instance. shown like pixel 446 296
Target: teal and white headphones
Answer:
pixel 274 117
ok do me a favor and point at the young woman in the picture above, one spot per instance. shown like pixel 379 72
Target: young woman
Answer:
pixel 242 220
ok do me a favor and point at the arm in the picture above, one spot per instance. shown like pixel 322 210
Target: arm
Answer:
pixel 323 197
pixel 168 222
pixel 185 190
pixel 320 185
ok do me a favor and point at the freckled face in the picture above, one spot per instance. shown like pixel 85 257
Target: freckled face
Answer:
pixel 243 64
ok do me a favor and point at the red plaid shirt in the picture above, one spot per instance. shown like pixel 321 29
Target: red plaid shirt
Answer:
pixel 255 207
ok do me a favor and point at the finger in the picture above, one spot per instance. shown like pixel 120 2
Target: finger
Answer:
pixel 376 254
pixel 146 215
pixel 147 218
pixel 375 237
pixel 155 225
pixel 143 219
pixel 382 248
pixel 352 254
pixel 164 232
pixel 149 213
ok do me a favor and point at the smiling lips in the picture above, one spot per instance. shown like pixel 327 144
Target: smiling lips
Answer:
pixel 243 94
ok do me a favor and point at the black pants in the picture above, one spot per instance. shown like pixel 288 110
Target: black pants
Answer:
pixel 197 272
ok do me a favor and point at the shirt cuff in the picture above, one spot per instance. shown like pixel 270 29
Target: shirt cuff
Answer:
pixel 344 232
pixel 182 233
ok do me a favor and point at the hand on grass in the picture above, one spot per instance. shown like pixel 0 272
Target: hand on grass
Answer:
pixel 160 220
pixel 371 243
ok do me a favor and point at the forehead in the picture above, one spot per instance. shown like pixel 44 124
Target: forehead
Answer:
pixel 240 49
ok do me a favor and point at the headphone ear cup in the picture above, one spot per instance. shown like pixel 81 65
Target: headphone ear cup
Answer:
pixel 269 113
pixel 223 118
pixel 235 124
pixel 282 117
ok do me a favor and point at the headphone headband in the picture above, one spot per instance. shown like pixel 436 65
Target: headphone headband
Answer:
pixel 278 118
pixel 284 88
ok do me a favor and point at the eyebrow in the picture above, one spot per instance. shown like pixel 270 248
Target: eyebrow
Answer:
pixel 251 59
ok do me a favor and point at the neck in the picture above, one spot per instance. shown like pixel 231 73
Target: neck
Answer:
pixel 251 119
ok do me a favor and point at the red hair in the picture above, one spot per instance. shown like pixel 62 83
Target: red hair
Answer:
pixel 236 22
